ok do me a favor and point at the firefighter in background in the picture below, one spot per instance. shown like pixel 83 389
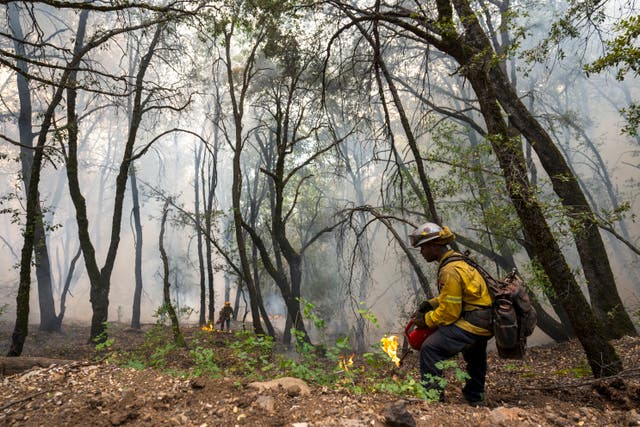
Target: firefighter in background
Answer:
pixel 225 315
pixel 460 315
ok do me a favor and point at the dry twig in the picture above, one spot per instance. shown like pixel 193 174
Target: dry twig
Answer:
pixel 24 399
pixel 627 373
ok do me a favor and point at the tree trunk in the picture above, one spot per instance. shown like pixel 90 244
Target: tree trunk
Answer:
pixel 100 278
pixel 601 283
pixel 22 300
pixel 209 255
pixel 208 192
pixel 137 292
pixel 15 365
pixel 178 338
pixel 196 206
pixel 603 292
pixel 557 331
pixel 473 52
pixel 236 187
pixel 67 285
pixel 256 274
pixel 601 355
pixel 48 318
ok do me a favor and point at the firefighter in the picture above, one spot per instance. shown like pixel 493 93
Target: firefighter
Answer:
pixel 226 313
pixel 460 315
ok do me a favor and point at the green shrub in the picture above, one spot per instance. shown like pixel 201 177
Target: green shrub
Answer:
pixel 205 362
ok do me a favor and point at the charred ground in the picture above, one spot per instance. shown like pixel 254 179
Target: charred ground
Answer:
pixel 138 379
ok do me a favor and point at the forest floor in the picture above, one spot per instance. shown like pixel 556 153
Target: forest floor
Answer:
pixel 109 387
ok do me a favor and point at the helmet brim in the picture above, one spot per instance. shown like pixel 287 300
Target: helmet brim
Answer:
pixel 417 241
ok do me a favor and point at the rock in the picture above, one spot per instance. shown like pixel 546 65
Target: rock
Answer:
pixel 121 418
pixel 266 402
pixel 285 383
pixel 396 415
pixel 502 416
pixel 293 390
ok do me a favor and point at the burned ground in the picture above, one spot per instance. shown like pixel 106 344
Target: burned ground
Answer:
pixel 113 385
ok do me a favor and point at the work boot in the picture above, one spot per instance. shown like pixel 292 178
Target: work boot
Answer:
pixel 477 403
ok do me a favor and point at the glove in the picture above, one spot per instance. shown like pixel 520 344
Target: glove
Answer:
pixel 425 306
pixel 418 320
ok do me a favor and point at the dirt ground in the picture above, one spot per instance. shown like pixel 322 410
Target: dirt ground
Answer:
pixel 551 387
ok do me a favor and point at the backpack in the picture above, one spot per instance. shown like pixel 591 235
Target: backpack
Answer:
pixel 513 318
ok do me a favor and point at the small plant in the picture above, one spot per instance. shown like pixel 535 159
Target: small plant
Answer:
pixel 525 371
pixel 580 371
pixel 154 337
pixel 135 364
pixel 406 386
pixel 184 313
pixel 304 348
pixel 161 314
pixel 308 312
pixel 376 359
pixel 342 347
pixel 301 370
pixel 158 358
pixel 205 362
pixel 253 353
pixel 368 316
pixel 461 376
pixel 249 342
pixel 102 341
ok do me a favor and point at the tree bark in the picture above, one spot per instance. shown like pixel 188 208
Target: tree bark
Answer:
pixel 137 292
pixel 603 292
pixel 472 50
pixel 601 356
pixel 100 278
pixel 236 187
pixel 67 285
pixel 48 318
pixel 605 299
pixel 15 365
pixel 178 338
pixel 22 300
pixel 196 207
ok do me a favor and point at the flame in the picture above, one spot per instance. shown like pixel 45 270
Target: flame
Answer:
pixel 207 328
pixel 345 364
pixel 390 346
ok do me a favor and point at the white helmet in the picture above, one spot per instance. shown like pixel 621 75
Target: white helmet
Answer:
pixel 425 233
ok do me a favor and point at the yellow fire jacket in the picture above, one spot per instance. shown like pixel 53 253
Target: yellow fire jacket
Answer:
pixel 462 289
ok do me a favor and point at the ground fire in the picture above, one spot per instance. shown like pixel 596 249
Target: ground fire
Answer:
pixel 344 363
pixel 390 346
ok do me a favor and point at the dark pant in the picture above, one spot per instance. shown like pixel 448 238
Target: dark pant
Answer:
pixel 225 322
pixel 446 342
